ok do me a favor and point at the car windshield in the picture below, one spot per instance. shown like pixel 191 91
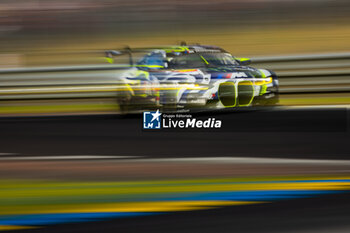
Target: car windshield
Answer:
pixel 219 59
pixel 192 60
pixel 154 60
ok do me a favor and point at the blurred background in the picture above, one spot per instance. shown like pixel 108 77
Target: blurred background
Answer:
pixel 37 32
pixel 305 42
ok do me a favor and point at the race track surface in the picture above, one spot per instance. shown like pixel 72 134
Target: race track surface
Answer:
pixel 281 132
pixel 267 170
pixel 322 214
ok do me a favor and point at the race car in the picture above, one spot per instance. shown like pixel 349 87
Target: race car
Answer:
pixel 190 76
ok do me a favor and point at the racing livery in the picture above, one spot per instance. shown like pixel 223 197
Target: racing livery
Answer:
pixel 179 77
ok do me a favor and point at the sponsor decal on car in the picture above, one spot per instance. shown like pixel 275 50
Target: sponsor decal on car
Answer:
pixel 239 75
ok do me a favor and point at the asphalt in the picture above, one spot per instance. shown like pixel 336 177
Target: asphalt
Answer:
pixel 320 133
pixel 321 214
pixel 315 133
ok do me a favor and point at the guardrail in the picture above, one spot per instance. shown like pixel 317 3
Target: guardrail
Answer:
pixel 312 73
pixel 297 74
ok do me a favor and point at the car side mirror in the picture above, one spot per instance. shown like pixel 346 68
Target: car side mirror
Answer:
pixel 244 61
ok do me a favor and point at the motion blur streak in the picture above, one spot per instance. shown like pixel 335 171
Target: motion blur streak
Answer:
pixel 316 79
pixel 9 227
pixel 37 203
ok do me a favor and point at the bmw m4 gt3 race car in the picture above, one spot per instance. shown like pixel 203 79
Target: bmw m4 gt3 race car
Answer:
pixel 185 77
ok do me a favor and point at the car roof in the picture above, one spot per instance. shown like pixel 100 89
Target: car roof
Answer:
pixel 182 49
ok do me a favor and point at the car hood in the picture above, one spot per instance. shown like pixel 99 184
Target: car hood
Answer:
pixel 237 71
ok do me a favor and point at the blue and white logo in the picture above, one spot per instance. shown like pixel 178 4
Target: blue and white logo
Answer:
pixel 152 120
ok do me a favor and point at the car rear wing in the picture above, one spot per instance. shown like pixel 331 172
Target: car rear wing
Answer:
pixel 109 54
